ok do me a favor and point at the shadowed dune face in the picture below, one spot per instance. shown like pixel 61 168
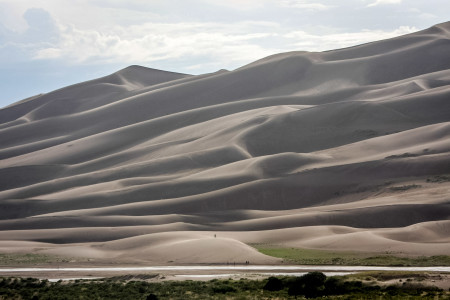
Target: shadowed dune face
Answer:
pixel 346 149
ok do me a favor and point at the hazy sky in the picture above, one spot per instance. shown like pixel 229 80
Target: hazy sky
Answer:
pixel 48 44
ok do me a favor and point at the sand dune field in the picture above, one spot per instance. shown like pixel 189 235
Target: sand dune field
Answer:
pixel 342 150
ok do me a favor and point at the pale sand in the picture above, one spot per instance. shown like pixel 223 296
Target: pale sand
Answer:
pixel 341 150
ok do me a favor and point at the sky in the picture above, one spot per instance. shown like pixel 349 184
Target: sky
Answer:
pixel 49 44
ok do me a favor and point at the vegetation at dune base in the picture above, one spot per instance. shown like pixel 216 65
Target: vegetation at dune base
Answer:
pixel 8 259
pixel 321 257
pixel 311 285
pixel 18 259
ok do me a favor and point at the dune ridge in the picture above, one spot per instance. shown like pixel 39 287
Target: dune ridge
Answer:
pixel 346 150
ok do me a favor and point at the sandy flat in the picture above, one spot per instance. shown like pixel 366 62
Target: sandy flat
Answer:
pixel 341 150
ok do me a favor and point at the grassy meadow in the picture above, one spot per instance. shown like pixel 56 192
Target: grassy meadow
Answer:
pixel 321 257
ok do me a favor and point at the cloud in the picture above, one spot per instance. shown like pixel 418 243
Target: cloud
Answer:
pixel 194 45
pixel 151 42
pixel 309 42
pixel 239 4
pixel 304 4
pixel 381 2
pixel 41 26
pixel 212 44
pixel 42 32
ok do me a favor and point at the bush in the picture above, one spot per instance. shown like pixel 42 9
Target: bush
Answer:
pixel 333 286
pixel 273 284
pixel 223 289
pixel 152 297
pixel 310 285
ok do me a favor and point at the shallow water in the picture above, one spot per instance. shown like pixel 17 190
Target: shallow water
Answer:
pixel 237 267
pixel 264 274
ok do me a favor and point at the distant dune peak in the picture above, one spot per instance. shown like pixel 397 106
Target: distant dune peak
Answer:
pixel 145 71
pixel 345 149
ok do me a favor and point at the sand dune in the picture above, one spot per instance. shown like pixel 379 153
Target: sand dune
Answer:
pixel 345 150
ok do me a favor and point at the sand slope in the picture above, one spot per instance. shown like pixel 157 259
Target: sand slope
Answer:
pixel 346 149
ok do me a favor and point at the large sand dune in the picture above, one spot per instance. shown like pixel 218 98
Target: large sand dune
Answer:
pixel 346 150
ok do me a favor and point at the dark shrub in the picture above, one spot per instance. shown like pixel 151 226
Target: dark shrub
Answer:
pixel 273 284
pixel 314 284
pixel 223 289
pixel 152 297
pixel 333 286
pixel 310 285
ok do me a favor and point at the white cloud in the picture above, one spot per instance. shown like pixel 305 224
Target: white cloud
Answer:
pixel 193 45
pixel 427 16
pixel 151 42
pixel 305 4
pixel 214 44
pixel 309 42
pixel 239 4
pixel 381 2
